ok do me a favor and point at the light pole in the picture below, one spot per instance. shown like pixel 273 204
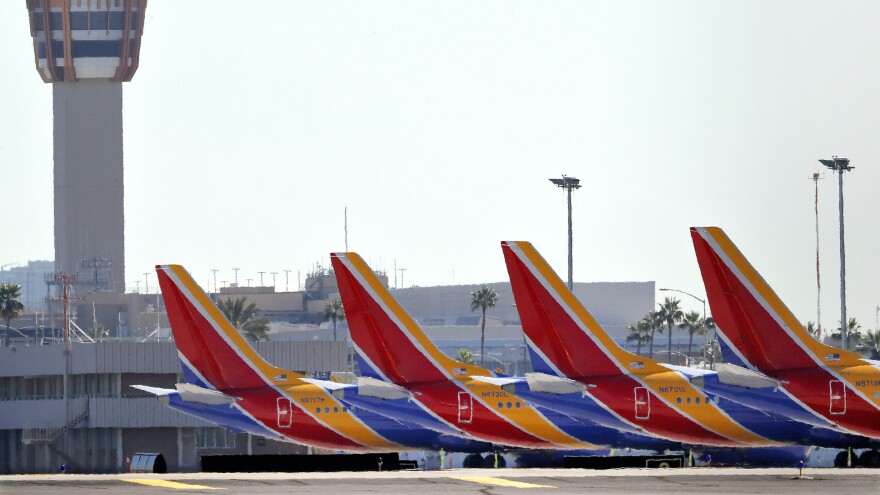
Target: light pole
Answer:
pixel 841 165
pixel 568 183
pixel 236 275
pixel 261 278
pixel 273 280
pixel 214 270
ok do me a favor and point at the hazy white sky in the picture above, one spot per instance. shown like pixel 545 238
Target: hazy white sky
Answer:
pixel 248 129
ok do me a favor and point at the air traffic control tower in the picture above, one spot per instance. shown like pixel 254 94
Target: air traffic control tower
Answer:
pixel 93 47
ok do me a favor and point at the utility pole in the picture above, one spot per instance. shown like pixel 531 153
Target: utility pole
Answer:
pixel 215 280
pixel 286 280
pixel 273 280
pixel 401 277
pixel 146 282
pixel 816 178
pixel 569 183
pixel 236 275
pixel 65 281
pixel 261 278
pixel 841 165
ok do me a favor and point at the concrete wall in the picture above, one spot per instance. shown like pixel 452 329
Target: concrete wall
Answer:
pixel 156 357
pixel 619 303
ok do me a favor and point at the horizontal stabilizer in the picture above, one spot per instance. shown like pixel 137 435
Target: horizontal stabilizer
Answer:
pixel 366 387
pixel 326 384
pixel 537 382
pixel 731 374
pixel 343 377
pixel 160 392
pixel 380 389
pixel 540 382
pixel 336 389
pixel 194 393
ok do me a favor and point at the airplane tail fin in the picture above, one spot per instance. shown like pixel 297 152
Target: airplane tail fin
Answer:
pixel 209 346
pixel 558 325
pixel 383 333
pixel 761 329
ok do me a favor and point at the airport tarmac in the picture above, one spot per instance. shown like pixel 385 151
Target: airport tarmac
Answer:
pixel 715 481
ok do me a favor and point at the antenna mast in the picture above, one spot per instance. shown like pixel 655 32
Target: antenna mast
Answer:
pixel 816 178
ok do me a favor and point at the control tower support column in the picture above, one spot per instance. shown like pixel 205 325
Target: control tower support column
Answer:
pixel 89 215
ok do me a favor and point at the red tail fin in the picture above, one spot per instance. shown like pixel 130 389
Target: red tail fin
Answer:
pixel 206 339
pixel 750 314
pixel 559 325
pixel 385 334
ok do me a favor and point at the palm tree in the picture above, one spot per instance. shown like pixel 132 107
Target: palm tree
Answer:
pixel 656 325
pixel 670 312
pixel 870 345
pixel 334 312
pixel 639 333
pixel 244 318
pixel 694 324
pixel 853 333
pixel 465 356
pixel 10 306
pixel 483 298
pixel 812 329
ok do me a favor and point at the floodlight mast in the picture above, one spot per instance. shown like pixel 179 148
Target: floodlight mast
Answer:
pixel 568 183
pixel 841 165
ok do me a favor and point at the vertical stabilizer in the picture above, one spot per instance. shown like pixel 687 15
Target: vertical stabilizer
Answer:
pixel 756 322
pixel 384 334
pixel 559 325
pixel 207 342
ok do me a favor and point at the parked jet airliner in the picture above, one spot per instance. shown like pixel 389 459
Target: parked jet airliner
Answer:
pixel 838 386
